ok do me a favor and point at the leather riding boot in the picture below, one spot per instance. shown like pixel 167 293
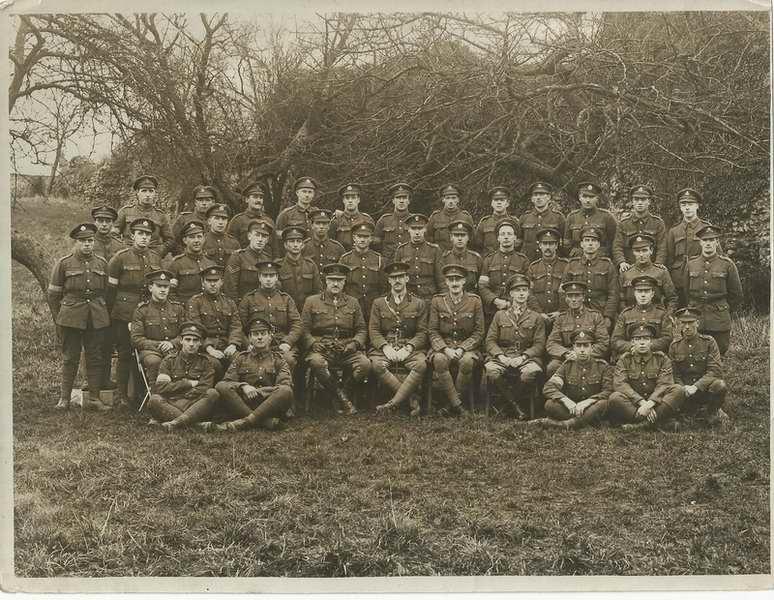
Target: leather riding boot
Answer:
pixel 507 392
pixel 389 380
pixel 412 381
pixel 198 411
pixel 446 385
pixel 345 405
pixel 274 406
pixel 69 370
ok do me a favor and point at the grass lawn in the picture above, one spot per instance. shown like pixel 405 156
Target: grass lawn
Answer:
pixel 105 495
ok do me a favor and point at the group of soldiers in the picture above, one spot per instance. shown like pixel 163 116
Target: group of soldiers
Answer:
pixel 577 318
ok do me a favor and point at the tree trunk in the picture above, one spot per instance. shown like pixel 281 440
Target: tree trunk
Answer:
pixel 34 256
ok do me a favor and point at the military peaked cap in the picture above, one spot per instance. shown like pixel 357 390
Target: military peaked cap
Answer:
pixel 578 287
pixel 143 224
pixel 549 234
pixel 335 271
pixel 212 271
pixel 400 188
pixel 159 276
pixel 583 335
pixel 145 181
pixel 460 226
pixel 517 280
pixel 641 191
pixel 540 186
pixel 218 210
pixel 450 188
pixel 293 232
pixel 350 188
pixel 589 187
pixel 255 187
pixel 688 314
pixel 642 240
pixel 689 195
pixel 416 220
pixel 709 232
pixel 83 231
pixel 204 191
pixel 641 330
pixel 104 211
pixel 454 269
pixel 396 268
pixel 644 282
pixel 192 328
pixel 306 182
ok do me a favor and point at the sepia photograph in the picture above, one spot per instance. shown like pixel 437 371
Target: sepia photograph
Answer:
pixel 322 295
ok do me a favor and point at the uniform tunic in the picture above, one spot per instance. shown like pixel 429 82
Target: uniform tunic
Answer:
pixel 546 277
pixel 77 290
pixel 278 308
pixel 340 228
pixel 267 371
pixel 681 244
pixel 325 319
pixel 421 259
pixel 237 227
pixel 241 274
pixel 696 361
pixel 186 275
pixel 219 247
pixel 600 218
pixel 459 325
pixel 499 266
pixel 532 222
pixel 559 342
pixel 646 377
pixel 601 277
pixel 665 295
pixel 398 324
pixel 161 238
pixel 469 259
pixel 126 279
pixel 366 278
pixel 322 252
pixel 155 322
pixel 652 315
pixel 712 285
pixel 485 236
pixel 514 336
pixel 107 246
pixel 299 278
pixel 632 225
pixel 220 318
pixel 294 215
pixel 183 219
pixel 390 233
pixel 437 230
pixel 580 380
pixel 180 368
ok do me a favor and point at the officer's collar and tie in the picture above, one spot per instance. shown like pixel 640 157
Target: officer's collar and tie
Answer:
pixel 518 309
pixel 292 260
pixel 398 299
pixel 459 299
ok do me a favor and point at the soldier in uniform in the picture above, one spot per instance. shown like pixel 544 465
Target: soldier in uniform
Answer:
pixel 589 215
pixel 241 275
pixel 219 245
pixel 645 390
pixel 298 275
pixel 543 215
pixel 644 311
pixel 217 313
pixel 335 333
pixel 456 330
pixel 498 267
pixel 275 307
pixel 76 295
pixel 258 387
pixel 106 241
pixel 577 317
pixel 391 228
pixel 438 231
pixel 421 256
pixel 182 393
pixel 145 186
pixel 157 323
pixel 187 268
pixel 204 197
pixel 639 222
pixel 397 329
pixel 365 279
pixel 697 365
pixel 301 213
pixel 254 194
pixel 642 247
pixel 485 236
pixel 515 344
pixel 459 254
pixel 343 223
pixel 546 276
pixel 712 285
pixel 599 274
pixel 319 247
pixel 126 287
pixel 577 393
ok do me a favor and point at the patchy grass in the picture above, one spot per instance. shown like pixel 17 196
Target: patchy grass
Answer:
pixel 104 495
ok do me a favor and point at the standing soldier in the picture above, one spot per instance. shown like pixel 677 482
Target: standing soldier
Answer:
pixel 546 276
pixel 391 228
pixel 642 247
pixel 301 213
pixel 438 231
pixel 515 344
pixel 218 314
pixel 421 256
pixel 335 333
pixel 599 274
pixel 398 333
pixel 640 221
pixel 577 317
pixel 543 215
pixel 344 222
pixel 645 390
pixel 697 365
pixel 456 330
pixel 219 245
pixel 365 279
pixel 254 194
pixel 76 295
pixel 204 197
pixel 241 273
pixel 182 392
pixel 298 275
pixel 319 247
pixel 187 268
pixel 459 254
pixel 644 311
pixel 106 241
pixel 157 323
pixel 713 287
pixel 258 387
pixel 145 187
pixel 682 242
pixel 485 237
pixel 589 215
pixel 126 287
pixel 498 267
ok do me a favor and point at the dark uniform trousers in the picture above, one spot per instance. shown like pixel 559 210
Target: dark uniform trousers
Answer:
pixel 421 259
pixel 579 380
pixel 267 372
pixel 174 399
pixel 682 244
pixel 644 377
pixel 559 342
pixel 154 323
pixel 696 361
pixel 76 295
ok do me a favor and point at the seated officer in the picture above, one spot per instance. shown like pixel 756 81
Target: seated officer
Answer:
pixel 514 345
pixel 421 257
pixel 182 392
pixel 578 316
pixel 456 330
pixel 577 394
pixel 459 254
pixel 697 365
pixel 398 333
pixel 546 276
pixel 642 248
pixel 257 388
pixel 645 391
pixel 643 312
pixel 218 314
pixel 156 324
pixel 277 309
pixel 498 267
pixel 335 332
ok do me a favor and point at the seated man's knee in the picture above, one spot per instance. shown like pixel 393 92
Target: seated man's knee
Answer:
pixel 440 362
pixel 493 370
pixel 420 366
pixel 617 398
pixel 529 373
pixel 222 387
pixel 552 367
pixel 317 361
pixel 361 369
pixel 718 387
pixel 379 365
pixel 467 362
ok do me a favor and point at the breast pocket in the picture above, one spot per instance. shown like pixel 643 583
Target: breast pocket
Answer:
pixel 528 231
pixel 599 278
pixel 426 266
pixel 539 283
pixel 507 334
pixel 575 231
pixel 718 282
pixel 680 250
